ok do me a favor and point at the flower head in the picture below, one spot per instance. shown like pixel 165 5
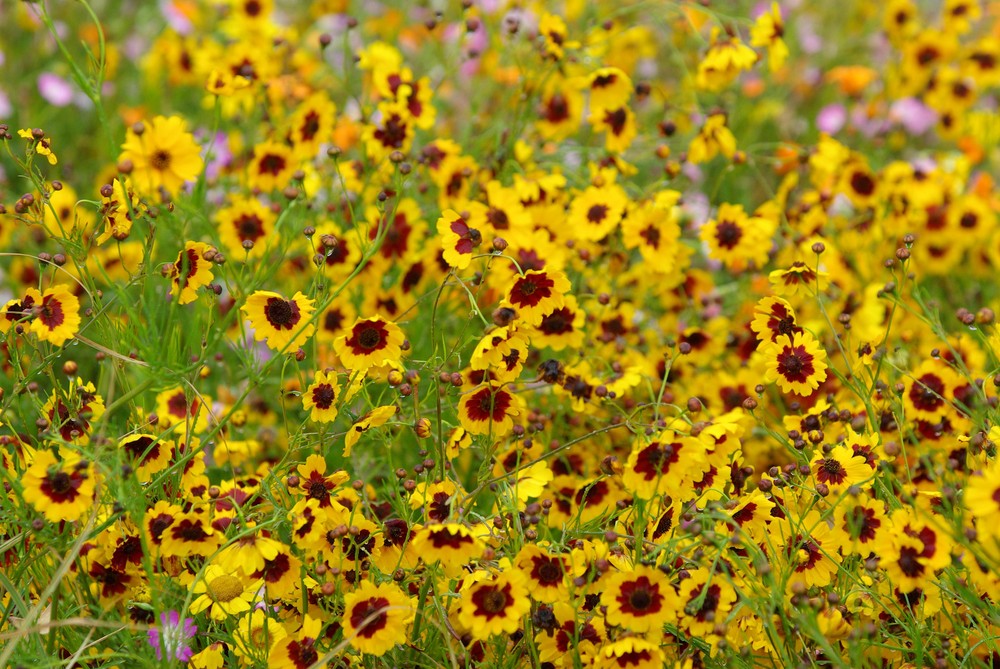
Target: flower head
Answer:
pixel 283 323
pixel 171 639
pixel 163 154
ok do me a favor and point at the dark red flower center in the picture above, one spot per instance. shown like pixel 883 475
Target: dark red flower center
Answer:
pixel 323 396
pixel 368 616
pixel 281 314
pixel 796 364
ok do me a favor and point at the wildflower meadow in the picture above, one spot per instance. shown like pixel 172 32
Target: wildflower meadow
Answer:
pixel 499 333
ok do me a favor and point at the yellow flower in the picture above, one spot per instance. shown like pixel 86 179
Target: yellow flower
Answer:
pixel 371 342
pixel 375 617
pixel 374 418
pixel 59 489
pixel 57 316
pixel 723 62
pixel 244 220
pixel 320 398
pixel 495 606
pixel 797 362
pixel 283 323
pixel 190 272
pixel 162 154
pixel 272 166
pixel 223 593
pixel 768 32
pixel 713 138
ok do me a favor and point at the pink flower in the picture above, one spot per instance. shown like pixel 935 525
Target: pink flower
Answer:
pixel 171 640
pixel 56 90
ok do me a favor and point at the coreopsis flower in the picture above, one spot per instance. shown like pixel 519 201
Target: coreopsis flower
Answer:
pixel 244 219
pixel 618 125
pixel 705 599
pixel 19 312
pixel 768 31
pixel 502 215
pixel 315 483
pixel 596 212
pixel 451 545
pixel 489 410
pixel 810 547
pixel 548 574
pixel 561 109
pixel 982 499
pixel 725 59
pixel 562 328
pixel 860 522
pixel 374 418
pixel 72 414
pixel 271 166
pixel 929 391
pixel 796 362
pixel 120 205
pixel 736 239
pixel 751 514
pixel 666 466
pixel 375 617
pixel 371 342
pixel 40 144
pixel 630 652
pixel 171 640
pixel 297 650
pixel 773 317
pixel 190 272
pixel 609 87
pixel 163 155
pixel 560 638
pixel 57 315
pixel 148 454
pixel 798 279
pixel 537 293
pixel 283 323
pixel 912 549
pixel 839 469
pixel 458 240
pixel 552 29
pixel 713 138
pixel 189 534
pixel 321 397
pixel 495 605
pixel 311 125
pixel 641 600
pixel 62 489
pixel 393 130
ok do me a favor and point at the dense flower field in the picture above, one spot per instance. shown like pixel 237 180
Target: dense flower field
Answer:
pixel 499 334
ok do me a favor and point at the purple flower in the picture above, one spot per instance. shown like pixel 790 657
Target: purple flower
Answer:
pixel 831 118
pixel 913 115
pixel 171 638
pixel 56 90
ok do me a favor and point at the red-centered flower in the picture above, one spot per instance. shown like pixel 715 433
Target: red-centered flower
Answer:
pixel 547 574
pixel 452 545
pixel 57 317
pixel 495 606
pixel 665 466
pixel 58 488
pixel 321 399
pixel 641 600
pixel 283 323
pixel 773 317
pixel 458 240
pixel 796 362
pixel 190 272
pixel 375 617
pixel 371 342
pixel 537 293
pixel 489 410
